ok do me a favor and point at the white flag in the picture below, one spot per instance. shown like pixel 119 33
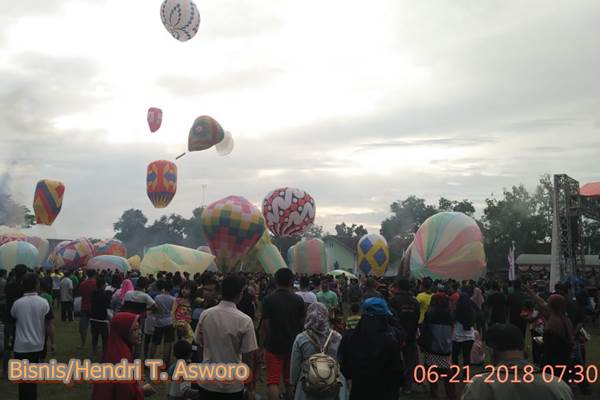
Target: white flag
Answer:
pixel 511 264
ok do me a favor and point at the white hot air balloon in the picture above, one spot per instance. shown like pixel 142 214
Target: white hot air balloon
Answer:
pixel 181 18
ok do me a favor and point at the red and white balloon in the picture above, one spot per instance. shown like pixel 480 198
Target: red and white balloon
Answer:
pixel 289 211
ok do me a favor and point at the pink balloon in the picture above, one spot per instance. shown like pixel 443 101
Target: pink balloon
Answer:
pixel 154 119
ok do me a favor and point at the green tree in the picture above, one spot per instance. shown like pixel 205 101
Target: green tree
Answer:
pixel 166 230
pixel 314 232
pixel 131 230
pixel 193 231
pixel 13 214
pixel 407 217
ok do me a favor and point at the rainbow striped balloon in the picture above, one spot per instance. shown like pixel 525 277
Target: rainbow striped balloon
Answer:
pixel 18 252
pixel 373 254
pixel 232 226
pixel 309 257
pixel 270 258
pixel 448 245
pixel 47 201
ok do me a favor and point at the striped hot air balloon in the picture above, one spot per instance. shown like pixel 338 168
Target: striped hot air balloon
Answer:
pixel 309 257
pixel 161 182
pixel 111 263
pixel 448 245
pixel 47 202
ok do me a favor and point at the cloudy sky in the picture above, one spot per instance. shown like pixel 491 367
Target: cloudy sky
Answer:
pixel 358 102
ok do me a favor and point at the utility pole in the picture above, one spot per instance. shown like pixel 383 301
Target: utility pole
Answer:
pixel 204 195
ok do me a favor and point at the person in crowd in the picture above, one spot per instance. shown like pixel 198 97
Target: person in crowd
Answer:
pixel 99 320
pixel 558 340
pixel 66 297
pixel 209 298
pixel 227 336
pixel 406 310
pixel 371 286
pixel 515 302
pixel 33 317
pixel 370 356
pixel 138 301
pixel 182 311
pixel 86 288
pixel 307 296
pixel 118 297
pixel 436 342
pixel 354 293
pixel 327 297
pixel 282 320
pixel 507 344
pixel 464 329
pixel 12 291
pixel 317 337
pixel 124 334
pixel 115 284
pixel 354 317
pixel 496 305
pixel 56 278
pixel 181 389
pixel 477 355
pixel 163 331
pixel 46 292
pixel 424 298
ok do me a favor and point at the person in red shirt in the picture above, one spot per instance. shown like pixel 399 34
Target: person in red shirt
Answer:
pixel 86 289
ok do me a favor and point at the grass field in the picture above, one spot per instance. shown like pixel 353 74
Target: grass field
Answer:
pixel 68 341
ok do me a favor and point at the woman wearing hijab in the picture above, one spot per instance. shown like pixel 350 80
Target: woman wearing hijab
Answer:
pixel 558 333
pixel 119 297
pixel 316 332
pixel 370 354
pixel 124 334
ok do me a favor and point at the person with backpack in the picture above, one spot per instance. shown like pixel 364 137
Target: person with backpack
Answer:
pixel 370 356
pixel 314 368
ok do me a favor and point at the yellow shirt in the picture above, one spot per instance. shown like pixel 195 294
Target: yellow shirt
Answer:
pixel 424 299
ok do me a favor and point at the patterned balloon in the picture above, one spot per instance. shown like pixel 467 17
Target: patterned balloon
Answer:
pixel 11 238
pixel 111 263
pixel 233 226
pixel 47 202
pixel 154 119
pixel 161 182
pixel 72 254
pixel 18 252
pixel 172 258
pixel 309 257
pixel 373 254
pixel 448 245
pixel 181 18
pixel 110 247
pixel 289 211
pixel 205 133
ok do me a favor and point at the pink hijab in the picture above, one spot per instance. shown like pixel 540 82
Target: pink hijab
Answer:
pixel 126 286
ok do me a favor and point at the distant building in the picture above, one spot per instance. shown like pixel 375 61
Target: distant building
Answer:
pixel 539 264
pixel 339 255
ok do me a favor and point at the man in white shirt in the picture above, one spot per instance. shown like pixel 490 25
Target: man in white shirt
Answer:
pixel 305 292
pixel 33 317
pixel 66 298
pixel 227 336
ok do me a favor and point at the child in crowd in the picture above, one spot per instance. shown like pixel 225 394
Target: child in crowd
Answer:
pixel 181 389
pixel 182 311
pixel 354 316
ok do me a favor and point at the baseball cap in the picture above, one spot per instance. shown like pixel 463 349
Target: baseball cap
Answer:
pixel 375 306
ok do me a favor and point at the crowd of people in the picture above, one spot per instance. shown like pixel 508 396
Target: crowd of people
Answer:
pixel 305 337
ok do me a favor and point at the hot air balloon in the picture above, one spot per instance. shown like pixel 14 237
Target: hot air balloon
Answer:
pixel 233 226
pixel 11 238
pixel 111 263
pixel 448 245
pixel 181 18
pixel 134 262
pixel 205 133
pixel 225 146
pixel 289 211
pixel 161 182
pixel 18 252
pixel 270 258
pixel 72 254
pixel 172 258
pixel 154 119
pixel 42 245
pixel 373 254
pixel 47 202
pixel 110 247
pixel 309 257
